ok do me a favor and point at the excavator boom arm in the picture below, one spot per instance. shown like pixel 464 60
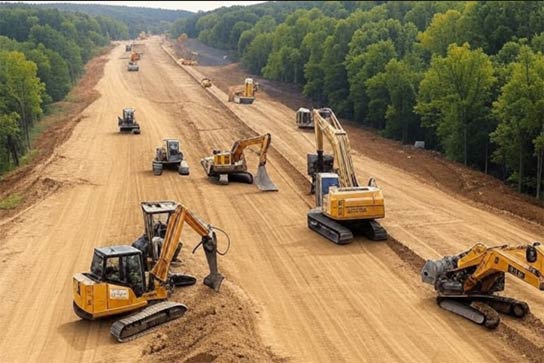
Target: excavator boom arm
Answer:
pixel 338 138
pixel 239 146
pixel 173 234
pixel 524 262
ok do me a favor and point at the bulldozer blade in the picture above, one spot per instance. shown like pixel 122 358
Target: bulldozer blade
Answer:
pixel 262 180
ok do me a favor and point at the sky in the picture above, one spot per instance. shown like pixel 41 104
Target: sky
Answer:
pixel 193 6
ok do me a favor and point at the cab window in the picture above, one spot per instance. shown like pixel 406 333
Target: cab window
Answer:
pixel 97 266
pixel 113 269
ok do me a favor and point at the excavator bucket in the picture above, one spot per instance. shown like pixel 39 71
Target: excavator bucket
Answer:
pixel 263 181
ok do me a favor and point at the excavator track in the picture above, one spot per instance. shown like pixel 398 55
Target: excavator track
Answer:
pixel 483 309
pixel 328 228
pixel 145 321
pixel 374 231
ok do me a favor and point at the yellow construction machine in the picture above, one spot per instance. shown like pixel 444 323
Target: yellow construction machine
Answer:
pixel 134 56
pixel 466 283
pixel 244 94
pixel 231 165
pixel 118 283
pixel 342 205
pixel 206 82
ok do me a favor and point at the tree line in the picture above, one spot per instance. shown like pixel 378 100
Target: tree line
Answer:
pixel 42 54
pixel 137 19
pixel 465 77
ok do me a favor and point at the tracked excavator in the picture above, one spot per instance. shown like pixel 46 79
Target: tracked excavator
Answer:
pixel 231 165
pixel 467 283
pixel 343 207
pixel 118 284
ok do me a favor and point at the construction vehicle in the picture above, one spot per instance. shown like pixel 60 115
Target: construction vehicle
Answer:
pixel 128 123
pixel 342 205
pixel 128 47
pixel 118 284
pixel 304 118
pixel 156 216
pixel 206 82
pixel 231 165
pixel 192 61
pixel 134 56
pixel 169 156
pixel 244 94
pixel 133 67
pixel 466 283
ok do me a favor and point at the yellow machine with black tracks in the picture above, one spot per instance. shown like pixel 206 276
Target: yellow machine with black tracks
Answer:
pixel 118 283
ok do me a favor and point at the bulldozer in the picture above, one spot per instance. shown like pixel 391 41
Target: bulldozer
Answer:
pixel 231 165
pixel 466 283
pixel 244 94
pixel 343 207
pixel 128 122
pixel 206 82
pixel 118 284
pixel 169 156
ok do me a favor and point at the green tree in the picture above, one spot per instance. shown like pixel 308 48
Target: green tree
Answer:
pixel 520 110
pixel 454 99
pixel 257 52
pixel 399 81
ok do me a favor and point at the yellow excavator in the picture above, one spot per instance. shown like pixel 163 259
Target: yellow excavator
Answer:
pixel 466 283
pixel 244 94
pixel 342 205
pixel 118 283
pixel 231 165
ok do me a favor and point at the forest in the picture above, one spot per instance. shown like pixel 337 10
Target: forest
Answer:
pixel 42 54
pixel 465 77
pixel 137 19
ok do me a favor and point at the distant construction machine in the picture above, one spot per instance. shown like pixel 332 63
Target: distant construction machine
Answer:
pixel 466 283
pixel 128 123
pixel 135 56
pixel 206 82
pixel 169 156
pixel 305 118
pixel 128 47
pixel 118 284
pixel 342 205
pixel 231 165
pixel 133 67
pixel 244 94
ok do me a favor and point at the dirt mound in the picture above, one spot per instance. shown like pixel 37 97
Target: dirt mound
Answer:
pixel 218 327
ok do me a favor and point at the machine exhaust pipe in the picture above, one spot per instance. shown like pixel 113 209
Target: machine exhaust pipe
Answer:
pixel 263 181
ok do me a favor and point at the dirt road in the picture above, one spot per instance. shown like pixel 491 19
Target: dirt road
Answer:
pixel 311 300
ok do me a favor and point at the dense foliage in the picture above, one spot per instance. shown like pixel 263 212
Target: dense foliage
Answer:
pixel 42 54
pixel 465 77
pixel 137 19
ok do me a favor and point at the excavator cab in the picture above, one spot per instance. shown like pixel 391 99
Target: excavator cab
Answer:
pixel 156 216
pixel 128 122
pixel 119 265
pixel 170 156
pixel 128 115
pixel 173 150
pixel 304 118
